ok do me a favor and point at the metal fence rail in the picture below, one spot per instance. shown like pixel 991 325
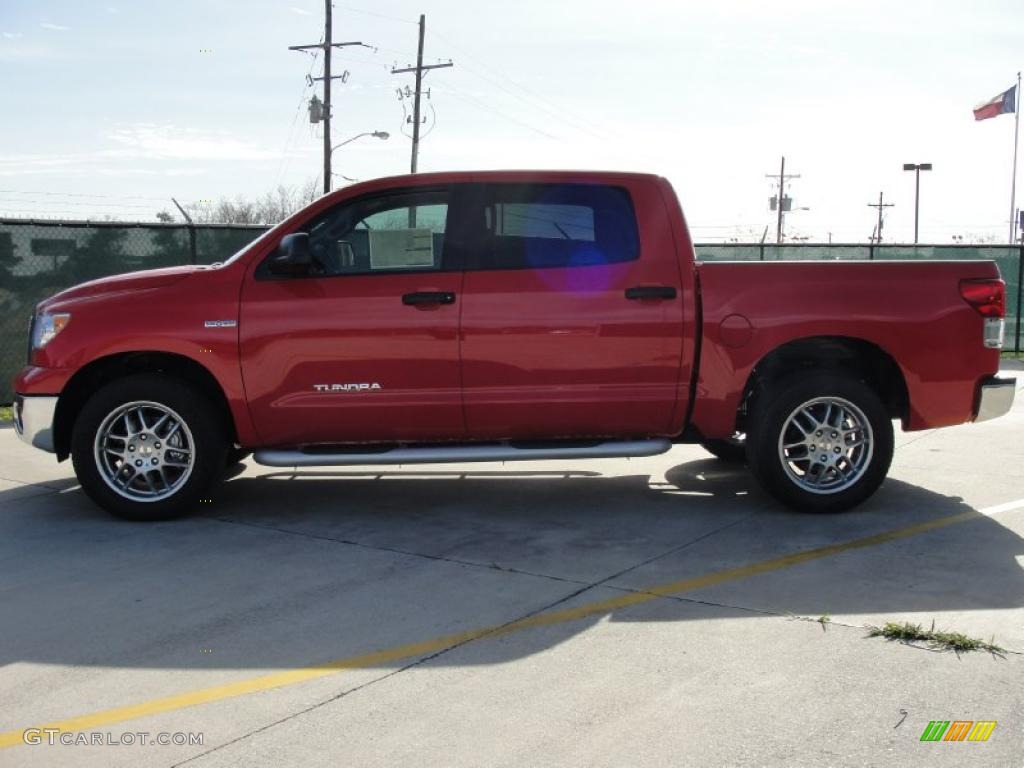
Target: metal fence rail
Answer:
pixel 39 258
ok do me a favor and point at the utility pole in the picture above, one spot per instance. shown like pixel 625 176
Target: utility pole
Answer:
pixel 327 46
pixel 880 205
pixel 327 95
pixel 782 179
pixel 420 69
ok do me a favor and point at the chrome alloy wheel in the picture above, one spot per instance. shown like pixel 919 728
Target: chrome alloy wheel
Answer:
pixel 144 451
pixel 825 445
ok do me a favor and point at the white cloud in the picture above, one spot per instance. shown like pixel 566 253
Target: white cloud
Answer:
pixel 55 27
pixel 12 35
pixel 171 142
pixel 300 11
pixel 142 149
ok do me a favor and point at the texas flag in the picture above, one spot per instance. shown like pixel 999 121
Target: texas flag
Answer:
pixel 1004 103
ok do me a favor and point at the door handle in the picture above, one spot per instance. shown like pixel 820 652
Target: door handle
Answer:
pixel 429 297
pixel 651 292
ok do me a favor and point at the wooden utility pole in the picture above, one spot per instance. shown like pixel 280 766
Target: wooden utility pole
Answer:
pixel 881 206
pixel 782 178
pixel 327 96
pixel 326 46
pixel 420 69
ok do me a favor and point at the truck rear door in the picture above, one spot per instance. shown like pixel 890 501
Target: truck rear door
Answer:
pixel 572 316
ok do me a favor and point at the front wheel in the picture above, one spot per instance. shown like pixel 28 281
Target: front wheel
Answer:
pixel 820 443
pixel 148 447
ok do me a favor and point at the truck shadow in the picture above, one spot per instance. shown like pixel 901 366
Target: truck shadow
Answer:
pixel 288 569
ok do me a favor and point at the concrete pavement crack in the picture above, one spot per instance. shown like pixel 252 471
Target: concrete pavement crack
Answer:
pixel 397 551
pixel 583 588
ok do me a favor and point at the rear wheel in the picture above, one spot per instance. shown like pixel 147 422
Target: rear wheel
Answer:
pixel 820 443
pixel 148 447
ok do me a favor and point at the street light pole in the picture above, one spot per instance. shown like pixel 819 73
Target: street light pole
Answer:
pixel 383 135
pixel 375 134
pixel 917 168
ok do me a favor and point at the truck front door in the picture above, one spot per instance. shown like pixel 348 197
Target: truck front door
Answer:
pixel 363 348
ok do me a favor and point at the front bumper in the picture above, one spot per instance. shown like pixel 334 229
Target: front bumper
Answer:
pixel 995 398
pixel 33 419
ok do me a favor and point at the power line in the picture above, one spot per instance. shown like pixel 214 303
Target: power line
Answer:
pixel 295 119
pixel 374 13
pixel 82 194
pixel 476 102
pixel 536 100
pixel 84 204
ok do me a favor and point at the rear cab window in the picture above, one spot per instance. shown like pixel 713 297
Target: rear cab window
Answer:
pixel 543 226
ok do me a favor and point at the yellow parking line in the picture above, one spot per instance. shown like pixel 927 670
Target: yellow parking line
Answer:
pixel 411 650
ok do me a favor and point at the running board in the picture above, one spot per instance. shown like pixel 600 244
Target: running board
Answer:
pixel 442 454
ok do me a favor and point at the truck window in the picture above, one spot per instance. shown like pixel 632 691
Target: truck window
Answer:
pixel 389 233
pixel 539 226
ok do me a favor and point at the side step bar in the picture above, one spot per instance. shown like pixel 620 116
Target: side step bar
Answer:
pixel 440 454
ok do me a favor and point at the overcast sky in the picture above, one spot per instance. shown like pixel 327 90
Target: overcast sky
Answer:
pixel 113 107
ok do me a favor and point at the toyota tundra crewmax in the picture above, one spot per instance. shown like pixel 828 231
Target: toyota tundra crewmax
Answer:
pixel 494 316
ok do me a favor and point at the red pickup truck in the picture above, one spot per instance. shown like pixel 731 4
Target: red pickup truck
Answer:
pixel 493 316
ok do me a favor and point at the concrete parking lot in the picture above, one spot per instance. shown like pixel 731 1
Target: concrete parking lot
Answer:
pixel 659 611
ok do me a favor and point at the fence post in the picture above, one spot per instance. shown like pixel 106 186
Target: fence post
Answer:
pixel 871 251
pixel 191 232
pixel 1020 283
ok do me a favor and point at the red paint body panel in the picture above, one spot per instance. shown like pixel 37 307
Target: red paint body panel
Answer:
pixel 911 310
pixel 296 334
pixel 521 353
pixel 561 352
pixel 158 311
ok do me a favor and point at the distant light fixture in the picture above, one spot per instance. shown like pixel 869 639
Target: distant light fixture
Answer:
pixel 917 168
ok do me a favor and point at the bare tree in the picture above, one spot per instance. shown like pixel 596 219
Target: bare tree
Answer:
pixel 271 208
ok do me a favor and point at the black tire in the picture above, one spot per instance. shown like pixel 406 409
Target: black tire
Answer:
pixel 235 456
pixel 731 451
pixel 200 420
pixel 788 480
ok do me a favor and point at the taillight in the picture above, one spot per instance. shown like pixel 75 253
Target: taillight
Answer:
pixel 988 297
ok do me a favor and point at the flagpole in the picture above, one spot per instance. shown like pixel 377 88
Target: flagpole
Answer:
pixel 1013 182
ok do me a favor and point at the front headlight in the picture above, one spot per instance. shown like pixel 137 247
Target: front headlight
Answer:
pixel 47 326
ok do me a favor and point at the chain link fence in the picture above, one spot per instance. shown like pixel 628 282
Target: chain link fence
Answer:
pixel 39 258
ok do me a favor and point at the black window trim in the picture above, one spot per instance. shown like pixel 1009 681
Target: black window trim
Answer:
pixel 450 262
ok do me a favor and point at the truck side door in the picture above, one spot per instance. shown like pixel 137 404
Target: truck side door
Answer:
pixel 365 347
pixel 572 317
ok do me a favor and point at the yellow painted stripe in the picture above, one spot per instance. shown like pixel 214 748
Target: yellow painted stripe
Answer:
pixel 291 677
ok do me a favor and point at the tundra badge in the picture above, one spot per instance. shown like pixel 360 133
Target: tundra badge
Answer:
pixel 363 387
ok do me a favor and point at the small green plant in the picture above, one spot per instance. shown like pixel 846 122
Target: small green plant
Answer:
pixel 825 619
pixel 6 413
pixel 941 640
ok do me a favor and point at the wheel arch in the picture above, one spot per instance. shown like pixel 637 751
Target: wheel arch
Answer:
pixel 865 359
pixel 103 370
